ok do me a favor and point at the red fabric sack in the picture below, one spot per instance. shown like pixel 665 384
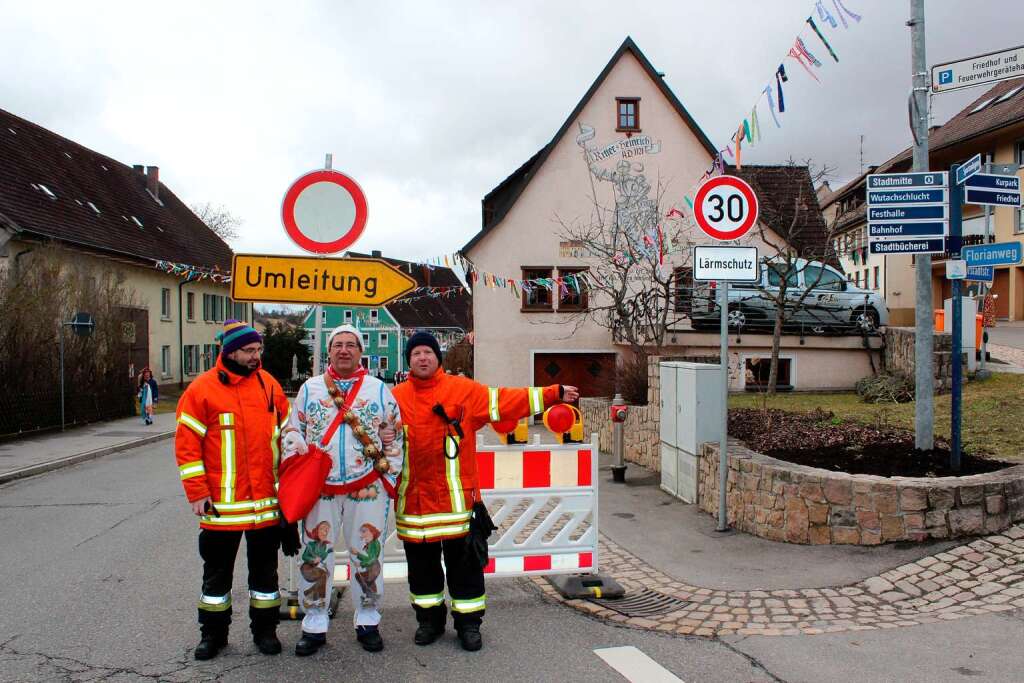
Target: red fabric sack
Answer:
pixel 301 478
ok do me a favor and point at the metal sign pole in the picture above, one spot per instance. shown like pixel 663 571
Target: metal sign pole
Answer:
pixel 723 455
pixel 924 367
pixel 956 193
pixel 317 353
pixel 984 288
pixel 60 337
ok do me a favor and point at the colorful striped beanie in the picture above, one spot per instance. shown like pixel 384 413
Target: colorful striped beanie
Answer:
pixel 237 334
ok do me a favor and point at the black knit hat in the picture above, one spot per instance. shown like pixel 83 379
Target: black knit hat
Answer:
pixel 422 339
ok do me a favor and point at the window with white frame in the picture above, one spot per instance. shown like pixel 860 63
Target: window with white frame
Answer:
pixel 366 340
pixel 190 307
pixel 382 339
pixel 382 363
pixel 323 317
pixel 165 361
pixel 165 303
pixel 373 315
pixel 348 317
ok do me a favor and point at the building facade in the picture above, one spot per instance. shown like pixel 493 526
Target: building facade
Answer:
pixel 119 219
pixel 629 153
pixel 992 126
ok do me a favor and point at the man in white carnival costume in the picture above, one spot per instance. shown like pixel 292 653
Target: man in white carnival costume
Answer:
pixel 352 416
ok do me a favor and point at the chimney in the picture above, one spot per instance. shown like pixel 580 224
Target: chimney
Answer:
pixel 375 253
pixel 139 168
pixel 153 181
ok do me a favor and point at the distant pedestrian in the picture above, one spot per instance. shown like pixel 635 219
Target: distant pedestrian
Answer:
pixel 147 395
pixel 227 444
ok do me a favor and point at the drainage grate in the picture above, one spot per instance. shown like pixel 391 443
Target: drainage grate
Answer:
pixel 645 603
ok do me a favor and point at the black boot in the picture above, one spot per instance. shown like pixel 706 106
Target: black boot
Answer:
pixel 210 645
pixel 369 638
pixel 267 642
pixel 309 643
pixel 470 638
pixel 428 633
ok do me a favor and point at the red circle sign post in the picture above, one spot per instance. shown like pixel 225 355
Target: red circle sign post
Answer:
pixel 725 208
pixel 324 211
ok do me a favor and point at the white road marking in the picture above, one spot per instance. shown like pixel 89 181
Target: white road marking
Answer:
pixel 635 666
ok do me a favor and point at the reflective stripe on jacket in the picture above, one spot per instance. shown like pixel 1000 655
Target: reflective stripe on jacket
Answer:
pixel 227 445
pixel 436 493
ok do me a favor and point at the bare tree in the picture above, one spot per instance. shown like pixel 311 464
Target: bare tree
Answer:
pixel 800 241
pixel 219 219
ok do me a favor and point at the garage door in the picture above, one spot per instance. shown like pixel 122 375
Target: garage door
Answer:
pixel 593 373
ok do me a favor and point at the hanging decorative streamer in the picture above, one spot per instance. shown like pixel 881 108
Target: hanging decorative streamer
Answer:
pixel 755 128
pixel 738 137
pixel 798 53
pixel 780 78
pixel 825 15
pixel 771 105
pixel 840 8
pixel 821 37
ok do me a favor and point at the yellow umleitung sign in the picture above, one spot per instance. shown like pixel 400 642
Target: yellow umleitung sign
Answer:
pixel 311 280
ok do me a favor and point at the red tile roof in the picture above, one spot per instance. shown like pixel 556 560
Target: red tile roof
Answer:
pixel 80 178
pixel 966 125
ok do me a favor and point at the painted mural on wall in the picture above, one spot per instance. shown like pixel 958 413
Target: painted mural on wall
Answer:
pixel 636 211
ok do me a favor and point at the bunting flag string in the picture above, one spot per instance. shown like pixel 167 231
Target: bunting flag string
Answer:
pixel 192 273
pixel 748 131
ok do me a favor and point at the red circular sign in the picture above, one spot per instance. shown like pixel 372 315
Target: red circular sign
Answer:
pixel 725 208
pixel 324 211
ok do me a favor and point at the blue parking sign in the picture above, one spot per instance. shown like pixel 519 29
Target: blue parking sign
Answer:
pixel 945 77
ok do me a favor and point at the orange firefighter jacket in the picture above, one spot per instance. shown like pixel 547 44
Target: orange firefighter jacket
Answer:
pixel 436 492
pixel 228 446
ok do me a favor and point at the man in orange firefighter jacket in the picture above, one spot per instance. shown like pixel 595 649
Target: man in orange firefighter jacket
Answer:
pixel 228 445
pixel 439 485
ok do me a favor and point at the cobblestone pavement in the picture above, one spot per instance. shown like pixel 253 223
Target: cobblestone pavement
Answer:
pixel 1007 354
pixel 980 577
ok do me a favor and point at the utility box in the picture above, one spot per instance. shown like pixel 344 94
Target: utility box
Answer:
pixel 968 339
pixel 691 414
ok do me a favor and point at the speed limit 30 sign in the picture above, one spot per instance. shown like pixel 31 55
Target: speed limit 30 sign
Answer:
pixel 725 208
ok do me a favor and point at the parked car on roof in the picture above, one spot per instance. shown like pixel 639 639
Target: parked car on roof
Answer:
pixel 831 304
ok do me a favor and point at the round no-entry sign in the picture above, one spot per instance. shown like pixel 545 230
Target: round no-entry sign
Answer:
pixel 324 211
pixel 725 208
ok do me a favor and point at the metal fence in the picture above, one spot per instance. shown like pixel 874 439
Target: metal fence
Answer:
pixel 22 413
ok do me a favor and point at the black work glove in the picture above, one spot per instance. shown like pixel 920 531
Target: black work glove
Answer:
pixel 290 543
pixel 480 529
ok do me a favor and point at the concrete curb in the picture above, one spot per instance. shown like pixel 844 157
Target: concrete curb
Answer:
pixel 32 470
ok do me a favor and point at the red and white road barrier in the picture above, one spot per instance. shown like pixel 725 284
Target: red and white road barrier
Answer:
pixel 542 498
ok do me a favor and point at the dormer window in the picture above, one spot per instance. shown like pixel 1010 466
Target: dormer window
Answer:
pixel 628 118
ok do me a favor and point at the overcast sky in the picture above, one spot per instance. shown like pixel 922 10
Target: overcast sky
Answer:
pixel 429 105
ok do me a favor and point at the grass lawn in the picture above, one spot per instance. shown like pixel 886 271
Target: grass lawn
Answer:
pixel 993 413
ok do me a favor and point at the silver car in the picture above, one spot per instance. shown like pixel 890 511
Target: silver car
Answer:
pixel 831 304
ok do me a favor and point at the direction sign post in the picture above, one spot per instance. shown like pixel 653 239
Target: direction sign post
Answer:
pixel 725 208
pixel 907 212
pixel 956 390
pixel 968 168
pixel 979 70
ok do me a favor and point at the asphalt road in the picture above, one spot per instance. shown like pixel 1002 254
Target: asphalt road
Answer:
pixel 101 577
pixel 1007 334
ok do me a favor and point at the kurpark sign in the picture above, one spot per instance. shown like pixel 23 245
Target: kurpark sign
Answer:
pixel 313 280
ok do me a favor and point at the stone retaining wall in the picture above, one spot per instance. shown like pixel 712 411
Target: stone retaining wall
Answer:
pixel 781 501
pixel 899 355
